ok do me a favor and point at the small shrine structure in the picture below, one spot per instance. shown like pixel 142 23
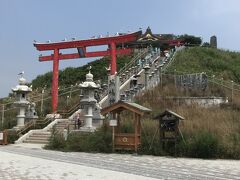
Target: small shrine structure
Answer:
pixel 168 126
pixel 22 103
pixel 126 141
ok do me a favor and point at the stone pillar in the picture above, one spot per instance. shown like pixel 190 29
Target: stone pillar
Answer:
pixel 160 74
pixel 117 88
pixel 21 117
pixel 88 118
pixel 113 89
pixel 213 41
pixel 150 81
pixel 146 68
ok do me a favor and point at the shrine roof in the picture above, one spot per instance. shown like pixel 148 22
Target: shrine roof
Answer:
pixel 138 106
pixel 73 43
pixel 167 112
pixel 123 105
pixel 148 36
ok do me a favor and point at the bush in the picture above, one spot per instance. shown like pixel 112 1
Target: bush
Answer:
pixel 231 147
pixel 57 141
pixel 98 141
pixel 203 145
pixel 12 136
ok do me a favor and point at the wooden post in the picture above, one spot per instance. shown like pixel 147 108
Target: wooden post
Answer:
pixel 113 133
pixel 113 139
pixel 136 130
pixel 139 127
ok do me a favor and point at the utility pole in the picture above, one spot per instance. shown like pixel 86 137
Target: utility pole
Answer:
pixel 2 114
pixel 70 95
pixel 42 101
pixel 232 90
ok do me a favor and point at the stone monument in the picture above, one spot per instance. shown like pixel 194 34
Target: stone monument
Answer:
pixel 213 41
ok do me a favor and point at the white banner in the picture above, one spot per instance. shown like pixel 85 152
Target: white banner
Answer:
pixel 1 136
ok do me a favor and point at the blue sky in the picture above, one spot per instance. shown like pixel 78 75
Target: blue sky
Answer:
pixel 21 22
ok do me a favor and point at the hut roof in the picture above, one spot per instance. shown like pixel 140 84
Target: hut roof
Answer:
pixel 168 112
pixel 123 105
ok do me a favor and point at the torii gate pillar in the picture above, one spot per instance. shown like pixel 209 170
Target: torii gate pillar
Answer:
pixel 113 58
pixel 55 80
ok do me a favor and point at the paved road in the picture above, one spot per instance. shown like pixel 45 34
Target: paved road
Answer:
pixel 113 166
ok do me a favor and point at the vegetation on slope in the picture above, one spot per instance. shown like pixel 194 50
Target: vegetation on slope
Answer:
pixel 207 132
pixel 212 132
pixel 222 64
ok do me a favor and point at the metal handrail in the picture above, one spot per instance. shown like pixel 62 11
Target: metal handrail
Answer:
pixel 26 127
pixel 70 111
pixel 133 60
pixel 33 124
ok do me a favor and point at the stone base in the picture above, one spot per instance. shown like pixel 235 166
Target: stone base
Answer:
pixel 87 129
pixel 16 128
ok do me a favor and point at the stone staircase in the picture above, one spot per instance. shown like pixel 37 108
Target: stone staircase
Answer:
pixel 42 136
pixel 38 138
pixel 136 69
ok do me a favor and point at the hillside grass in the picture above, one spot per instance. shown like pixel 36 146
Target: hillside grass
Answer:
pixel 221 63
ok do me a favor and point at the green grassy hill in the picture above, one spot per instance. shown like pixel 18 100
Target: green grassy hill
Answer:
pixel 208 132
pixel 221 63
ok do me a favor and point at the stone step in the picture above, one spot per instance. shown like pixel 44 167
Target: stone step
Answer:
pixel 37 138
pixel 59 127
pixel 42 137
pixel 41 133
pixel 36 141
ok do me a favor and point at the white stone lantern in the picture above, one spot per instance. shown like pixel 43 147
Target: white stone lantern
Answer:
pixel 22 103
pixel 88 101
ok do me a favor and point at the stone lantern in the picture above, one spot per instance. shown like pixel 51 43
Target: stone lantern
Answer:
pixel 146 68
pixel 88 102
pixel 31 113
pixel 21 91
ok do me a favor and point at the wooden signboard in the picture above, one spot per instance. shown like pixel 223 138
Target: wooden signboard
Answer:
pixel 126 141
pixel 120 140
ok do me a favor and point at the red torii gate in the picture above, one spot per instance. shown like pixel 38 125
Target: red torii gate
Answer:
pixel 81 46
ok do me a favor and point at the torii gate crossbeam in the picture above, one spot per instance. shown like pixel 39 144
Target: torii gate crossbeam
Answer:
pixel 81 46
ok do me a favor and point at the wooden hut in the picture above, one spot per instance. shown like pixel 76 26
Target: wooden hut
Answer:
pixel 168 125
pixel 126 141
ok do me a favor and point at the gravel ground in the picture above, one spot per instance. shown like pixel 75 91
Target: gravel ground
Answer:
pixel 29 161
pixel 15 166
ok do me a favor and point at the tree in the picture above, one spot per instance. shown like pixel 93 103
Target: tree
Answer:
pixel 191 40
pixel 206 44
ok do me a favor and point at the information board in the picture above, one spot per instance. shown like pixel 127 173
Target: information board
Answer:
pixel 113 122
